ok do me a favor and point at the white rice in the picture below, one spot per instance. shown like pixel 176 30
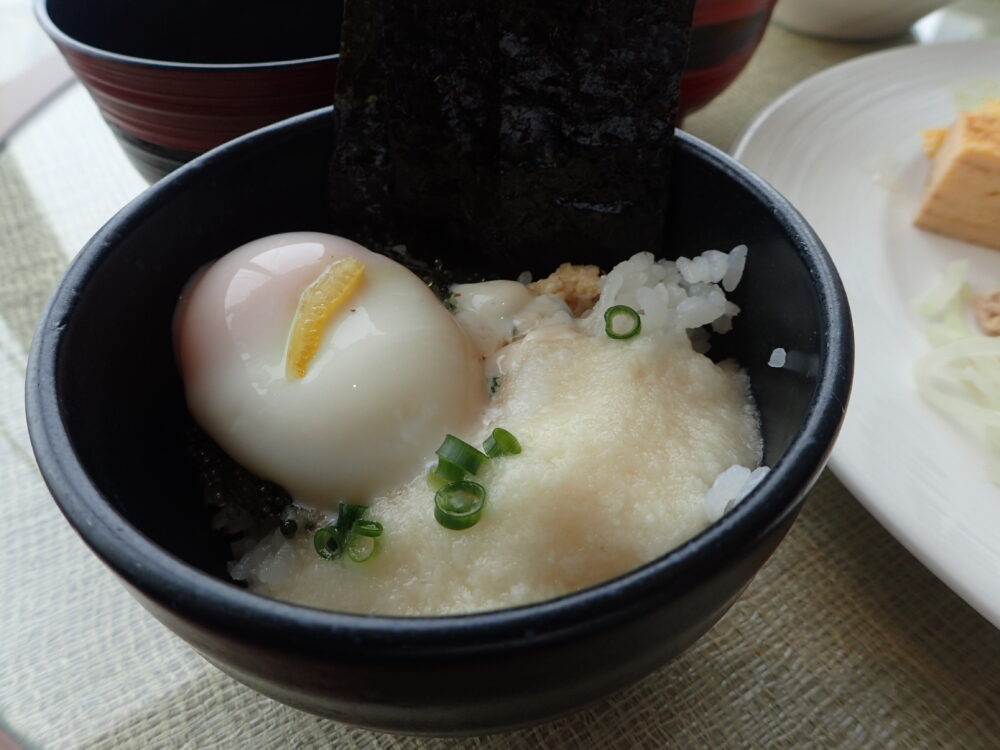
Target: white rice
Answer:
pixel 730 487
pixel 675 295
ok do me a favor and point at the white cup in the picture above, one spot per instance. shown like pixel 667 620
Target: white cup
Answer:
pixel 853 20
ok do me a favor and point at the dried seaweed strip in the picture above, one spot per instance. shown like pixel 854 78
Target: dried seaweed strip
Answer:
pixel 525 132
pixel 588 109
pixel 444 122
pixel 361 170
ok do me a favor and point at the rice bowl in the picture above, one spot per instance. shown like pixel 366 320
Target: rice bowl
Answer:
pixel 406 674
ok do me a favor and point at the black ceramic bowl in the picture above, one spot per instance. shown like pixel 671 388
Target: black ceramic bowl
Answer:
pixel 107 420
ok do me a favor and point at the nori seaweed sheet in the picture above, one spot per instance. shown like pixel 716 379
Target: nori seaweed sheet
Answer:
pixel 529 134
pixel 361 166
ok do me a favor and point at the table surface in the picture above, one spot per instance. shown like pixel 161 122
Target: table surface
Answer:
pixel 843 640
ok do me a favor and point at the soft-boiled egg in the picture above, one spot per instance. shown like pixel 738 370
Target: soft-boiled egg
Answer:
pixel 393 371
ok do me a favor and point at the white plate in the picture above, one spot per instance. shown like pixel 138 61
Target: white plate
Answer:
pixel 845 148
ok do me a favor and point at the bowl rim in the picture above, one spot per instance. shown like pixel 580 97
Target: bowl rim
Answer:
pixel 197 596
pixel 63 40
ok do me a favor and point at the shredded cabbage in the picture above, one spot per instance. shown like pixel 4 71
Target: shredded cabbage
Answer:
pixel 949 291
pixel 960 375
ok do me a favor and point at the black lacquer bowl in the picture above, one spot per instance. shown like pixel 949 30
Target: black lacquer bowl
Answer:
pixel 107 421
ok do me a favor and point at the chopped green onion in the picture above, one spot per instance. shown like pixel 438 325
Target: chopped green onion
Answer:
pixel 461 454
pixel 617 312
pixel 350 532
pixel 459 505
pixel 328 543
pixel 501 443
pixel 347 514
pixel 367 528
pixel 361 548
pixel 435 481
pixel 449 471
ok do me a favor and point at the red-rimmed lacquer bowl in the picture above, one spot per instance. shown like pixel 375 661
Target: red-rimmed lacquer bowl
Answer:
pixel 724 36
pixel 175 78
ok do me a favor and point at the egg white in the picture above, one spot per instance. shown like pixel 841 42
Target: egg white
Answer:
pixel 393 375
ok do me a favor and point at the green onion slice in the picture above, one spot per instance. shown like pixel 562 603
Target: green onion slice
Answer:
pixel 435 481
pixel 328 543
pixel 366 528
pixel 361 547
pixel 346 516
pixel 350 532
pixel 461 454
pixel 459 505
pixel 501 443
pixel 617 313
pixel 449 471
